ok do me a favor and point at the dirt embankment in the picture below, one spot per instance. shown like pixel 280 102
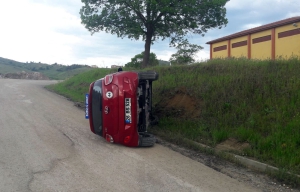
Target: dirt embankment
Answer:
pixel 25 75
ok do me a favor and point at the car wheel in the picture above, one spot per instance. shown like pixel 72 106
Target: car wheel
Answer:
pixel 146 140
pixel 148 75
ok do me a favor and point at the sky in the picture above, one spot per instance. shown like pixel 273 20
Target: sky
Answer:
pixel 50 31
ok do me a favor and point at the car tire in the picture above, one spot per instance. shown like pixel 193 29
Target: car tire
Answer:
pixel 148 75
pixel 146 140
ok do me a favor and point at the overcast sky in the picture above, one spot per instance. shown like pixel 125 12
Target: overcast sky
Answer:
pixel 50 31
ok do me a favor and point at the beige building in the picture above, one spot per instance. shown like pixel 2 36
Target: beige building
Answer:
pixel 115 66
pixel 271 41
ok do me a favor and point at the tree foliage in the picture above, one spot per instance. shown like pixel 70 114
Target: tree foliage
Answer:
pixel 137 60
pixel 185 53
pixel 153 19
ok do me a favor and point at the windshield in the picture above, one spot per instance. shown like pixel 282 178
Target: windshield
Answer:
pixel 97 106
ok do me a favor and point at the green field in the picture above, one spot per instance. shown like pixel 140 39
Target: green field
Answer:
pixel 253 102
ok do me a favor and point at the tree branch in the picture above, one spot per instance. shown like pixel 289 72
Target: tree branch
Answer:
pixel 139 14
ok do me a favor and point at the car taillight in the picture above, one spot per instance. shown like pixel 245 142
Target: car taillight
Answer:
pixel 108 79
pixel 109 138
pixel 127 139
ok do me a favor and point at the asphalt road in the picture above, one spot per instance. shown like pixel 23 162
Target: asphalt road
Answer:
pixel 46 145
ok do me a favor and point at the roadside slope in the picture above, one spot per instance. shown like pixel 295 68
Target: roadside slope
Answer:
pixel 252 103
pixel 46 145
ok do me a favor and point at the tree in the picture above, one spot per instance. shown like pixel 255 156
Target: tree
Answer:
pixel 137 60
pixel 153 19
pixel 185 53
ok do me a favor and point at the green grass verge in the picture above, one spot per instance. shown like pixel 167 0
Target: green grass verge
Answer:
pixel 252 101
pixel 76 87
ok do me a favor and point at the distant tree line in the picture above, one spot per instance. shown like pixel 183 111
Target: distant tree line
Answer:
pixel 137 61
pixel 185 55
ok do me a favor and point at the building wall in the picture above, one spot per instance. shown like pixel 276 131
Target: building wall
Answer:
pixel 282 41
pixel 115 66
pixel 239 47
pixel 220 50
pixel 261 45
pixel 287 41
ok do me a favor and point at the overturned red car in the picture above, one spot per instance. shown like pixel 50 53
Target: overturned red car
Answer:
pixel 120 107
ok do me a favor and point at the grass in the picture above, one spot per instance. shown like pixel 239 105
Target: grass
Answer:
pixel 76 87
pixel 250 100
pixel 253 101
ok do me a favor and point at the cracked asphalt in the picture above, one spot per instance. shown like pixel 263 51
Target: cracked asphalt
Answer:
pixel 46 145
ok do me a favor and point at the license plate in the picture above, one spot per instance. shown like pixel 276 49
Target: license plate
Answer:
pixel 127 110
pixel 86 106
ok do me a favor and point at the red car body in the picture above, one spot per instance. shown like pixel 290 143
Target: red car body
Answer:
pixel 119 107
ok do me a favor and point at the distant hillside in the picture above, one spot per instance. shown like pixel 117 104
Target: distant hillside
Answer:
pixel 163 63
pixel 26 75
pixel 54 71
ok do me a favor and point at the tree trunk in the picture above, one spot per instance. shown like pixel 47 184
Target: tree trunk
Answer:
pixel 147 51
